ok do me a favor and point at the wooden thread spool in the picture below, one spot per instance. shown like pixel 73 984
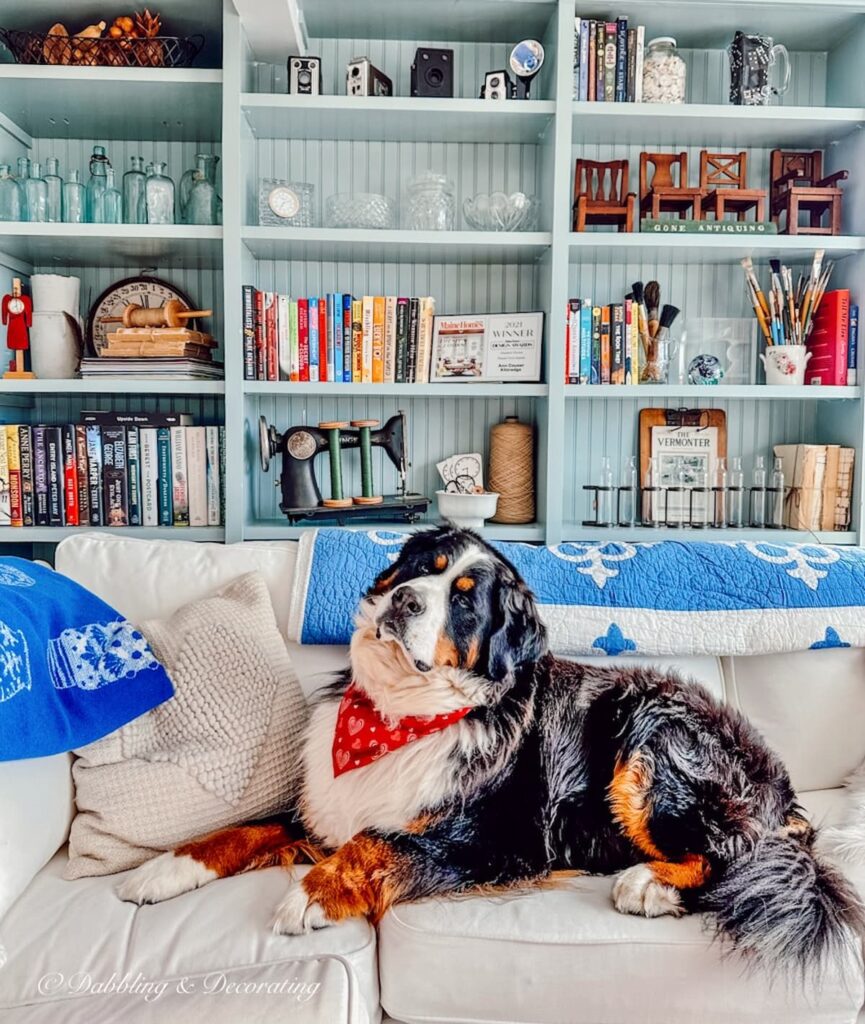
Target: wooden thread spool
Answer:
pixel 334 450
pixel 172 314
pixel 512 470
pixel 366 484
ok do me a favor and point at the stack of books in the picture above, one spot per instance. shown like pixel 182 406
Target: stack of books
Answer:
pixel 602 343
pixel 819 478
pixel 338 338
pixel 113 469
pixel 608 61
pixel 152 367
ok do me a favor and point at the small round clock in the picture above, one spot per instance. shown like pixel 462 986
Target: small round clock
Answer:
pixel 15 306
pixel 150 292
pixel 284 202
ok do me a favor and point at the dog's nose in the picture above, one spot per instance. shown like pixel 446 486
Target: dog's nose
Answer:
pixel 407 602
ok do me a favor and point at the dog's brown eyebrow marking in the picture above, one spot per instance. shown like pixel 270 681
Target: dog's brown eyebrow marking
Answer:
pixel 383 584
pixel 464 583
pixel 441 562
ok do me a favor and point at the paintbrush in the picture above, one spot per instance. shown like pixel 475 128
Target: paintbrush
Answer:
pixel 668 315
pixel 758 313
pixel 810 288
pixel 653 301
pixel 642 317
pixel 748 267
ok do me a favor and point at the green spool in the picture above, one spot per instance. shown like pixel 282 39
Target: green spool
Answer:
pixel 365 462
pixel 334 450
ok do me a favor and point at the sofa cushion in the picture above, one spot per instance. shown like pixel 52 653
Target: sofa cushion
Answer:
pixel 212 950
pixel 565 954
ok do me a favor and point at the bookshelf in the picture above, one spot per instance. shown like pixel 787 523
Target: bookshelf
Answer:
pixel 236 106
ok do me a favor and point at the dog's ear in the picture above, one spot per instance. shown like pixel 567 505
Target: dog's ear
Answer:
pixel 520 637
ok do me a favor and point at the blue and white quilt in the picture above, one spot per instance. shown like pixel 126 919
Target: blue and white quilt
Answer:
pixel 71 669
pixel 661 598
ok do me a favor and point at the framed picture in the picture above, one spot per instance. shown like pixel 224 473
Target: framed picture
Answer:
pixel 496 347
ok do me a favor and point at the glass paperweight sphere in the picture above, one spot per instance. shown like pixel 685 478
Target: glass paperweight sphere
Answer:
pixel 160 196
pixel 11 196
pixel 705 369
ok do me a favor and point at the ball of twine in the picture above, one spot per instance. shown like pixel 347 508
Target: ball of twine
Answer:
pixel 512 470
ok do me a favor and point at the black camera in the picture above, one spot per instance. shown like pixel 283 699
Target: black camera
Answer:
pixel 304 76
pixel 432 73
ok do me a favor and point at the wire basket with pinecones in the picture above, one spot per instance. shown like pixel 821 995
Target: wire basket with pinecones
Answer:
pixel 133 40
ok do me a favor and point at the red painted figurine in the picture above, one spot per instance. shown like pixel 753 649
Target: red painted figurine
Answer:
pixel 17 312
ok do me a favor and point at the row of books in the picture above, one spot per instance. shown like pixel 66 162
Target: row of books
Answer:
pixel 834 341
pixel 608 61
pixel 113 469
pixel 375 339
pixel 602 343
pixel 820 478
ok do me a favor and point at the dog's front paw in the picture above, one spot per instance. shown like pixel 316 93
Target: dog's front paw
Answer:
pixel 297 914
pixel 637 891
pixel 163 877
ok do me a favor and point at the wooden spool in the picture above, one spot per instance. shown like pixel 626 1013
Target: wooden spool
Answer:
pixel 363 428
pixel 172 314
pixel 333 427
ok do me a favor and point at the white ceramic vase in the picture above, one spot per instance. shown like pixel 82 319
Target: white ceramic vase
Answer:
pixel 54 353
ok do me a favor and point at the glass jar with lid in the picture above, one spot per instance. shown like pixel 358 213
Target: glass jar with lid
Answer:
pixel 664 72
pixel 430 203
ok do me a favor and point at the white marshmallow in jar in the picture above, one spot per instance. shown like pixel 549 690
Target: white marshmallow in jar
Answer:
pixel 664 72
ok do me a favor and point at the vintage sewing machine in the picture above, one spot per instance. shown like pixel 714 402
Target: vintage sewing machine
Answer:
pixel 301 497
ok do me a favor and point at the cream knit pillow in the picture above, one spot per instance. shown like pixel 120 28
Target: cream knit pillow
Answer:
pixel 223 750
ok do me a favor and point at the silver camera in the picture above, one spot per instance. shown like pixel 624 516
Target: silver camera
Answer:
pixel 362 78
pixel 304 76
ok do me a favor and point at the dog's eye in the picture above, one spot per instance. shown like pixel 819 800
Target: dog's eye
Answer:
pixel 423 570
pixel 463 600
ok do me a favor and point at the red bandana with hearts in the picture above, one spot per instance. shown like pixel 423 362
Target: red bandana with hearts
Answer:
pixel 362 735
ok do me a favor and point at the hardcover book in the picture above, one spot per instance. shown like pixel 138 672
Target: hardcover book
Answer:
pixel 54 462
pixel 25 448
pixel 70 476
pixel 853 346
pixel 621 60
pixel 149 476
pixel 390 339
pixel 610 57
pixel 413 326
pixel 312 318
pixel 163 451
pixel 179 477
pixel 94 473
pixel 366 340
pixel 357 341
pixel 605 344
pixel 13 460
pixel 5 493
pixel 133 475
pixel 293 332
pixel 490 347
pixel 196 474
pixel 248 332
pixel 115 495
pixel 426 313
pixel 214 476
pixel 83 472
pixel 828 341
pixel 347 355
pixel 402 311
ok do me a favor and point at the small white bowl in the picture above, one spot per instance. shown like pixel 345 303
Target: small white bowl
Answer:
pixel 467 509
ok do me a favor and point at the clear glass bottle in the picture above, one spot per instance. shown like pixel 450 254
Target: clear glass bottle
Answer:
pixel 736 493
pixel 36 190
pixel 628 491
pixel 55 190
pixel 74 199
pixel 134 182
pixel 206 162
pixel 201 204
pixel 112 200
pixel 23 175
pixel 11 196
pixel 758 493
pixel 605 493
pixel 701 501
pixel 651 497
pixel 664 72
pixel 777 492
pixel 99 164
pixel 719 493
pixel 160 196
pixel 430 203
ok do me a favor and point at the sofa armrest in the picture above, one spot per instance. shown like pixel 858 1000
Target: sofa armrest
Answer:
pixel 36 809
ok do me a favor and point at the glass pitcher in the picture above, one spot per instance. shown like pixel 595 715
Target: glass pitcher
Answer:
pixel 752 59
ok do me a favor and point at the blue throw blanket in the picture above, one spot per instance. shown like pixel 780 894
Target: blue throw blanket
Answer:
pixel 71 669
pixel 662 598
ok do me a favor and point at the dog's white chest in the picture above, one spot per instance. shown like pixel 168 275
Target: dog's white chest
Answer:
pixel 386 794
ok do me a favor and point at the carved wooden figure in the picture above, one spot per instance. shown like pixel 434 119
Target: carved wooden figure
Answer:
pixel 665 188
pixel 601 195
pixel 724 184
pixel 798 187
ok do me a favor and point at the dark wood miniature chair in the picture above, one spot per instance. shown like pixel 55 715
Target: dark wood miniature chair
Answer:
pixel 797 186
pixel 601 195
pixel 667 190
pixel 724 184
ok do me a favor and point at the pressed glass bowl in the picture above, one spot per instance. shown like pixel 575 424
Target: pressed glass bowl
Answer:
pixel 496 211
pixel 359 210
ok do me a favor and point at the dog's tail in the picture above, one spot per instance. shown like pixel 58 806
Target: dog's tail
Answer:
pixel 783 909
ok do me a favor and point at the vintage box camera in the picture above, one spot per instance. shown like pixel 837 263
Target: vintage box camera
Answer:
pixel 432 73
pixel 304 76
pixel 363 79
pixel 497 86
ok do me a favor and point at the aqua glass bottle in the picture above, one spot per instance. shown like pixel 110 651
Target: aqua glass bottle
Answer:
pixel 23 175
pixel 205 162
pixel 201 207
pixel 112 200
pixel 55 190
pixel 11 196
pixel 36 190
pixel 134 183
pixel 160 196
pixel 99 164
pixel 74 200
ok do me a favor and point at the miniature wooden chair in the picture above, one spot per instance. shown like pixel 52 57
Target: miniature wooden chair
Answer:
pixel 662 194
pixel 601 195
pixel 723 182
pixel 797 186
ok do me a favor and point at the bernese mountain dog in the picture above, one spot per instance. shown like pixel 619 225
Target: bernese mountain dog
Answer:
pixel 458 753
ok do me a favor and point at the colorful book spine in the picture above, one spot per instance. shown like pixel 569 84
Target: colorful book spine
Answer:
pixel 632 65
pixel 83 471
pixel 179 477
pixel 133 475
pixel 312 316
pixel 638 70
pixel 629 329
pixel 338 341
pixel 573 342
pixel 71 512
pixel 378 308
pixel 149 477
pixel 621 60
pixel 54 460
pixel 166 489
pixel 357 341
pixel 596 345
pixel 617 359
pixel 575 88
pixel 610 57
pixel 5 490
pixel 303 338
pixel 586 341
pixel 402 311
pixel 390 339
pixel 853 346
pixel 214 476
pixel 283 347
pixel 413 327
pixel 260 341
pixel 270 336
pixel 605 345
pixel 248 332
pixel 94 473
pixel 591 72
pixel 13 461
pixel 293 341
pixel 584 60
pixel 331 346
pixel 426 315
pixel 222 476
pixel 196 475
pixel 324 372
pixel 115 494
pixel 366 340
pixel 25 448
pixel 347 355
pixel 600 33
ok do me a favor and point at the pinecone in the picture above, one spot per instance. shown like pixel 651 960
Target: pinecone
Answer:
pixel 149 25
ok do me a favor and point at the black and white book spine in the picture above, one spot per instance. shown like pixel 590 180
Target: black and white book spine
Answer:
pixel 149 476
pixel 115 495
pixel 214 477
pixel 40 475
pixel 222 476
pixel 621 60
pixel 133 475
pixel 54 459
pixel 166 490
pixel 94 474
pixel 179 477
pixel 25 447
pixel 576 86
pixel 632 64
pixel 248 332
pixel 413 332
pixel 136 419
pixel 196 472
pixel 83 474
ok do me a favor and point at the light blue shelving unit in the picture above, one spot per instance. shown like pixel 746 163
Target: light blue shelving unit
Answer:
pixel 238 107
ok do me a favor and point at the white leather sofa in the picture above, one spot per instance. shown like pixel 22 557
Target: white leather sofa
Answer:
pixel 72 953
